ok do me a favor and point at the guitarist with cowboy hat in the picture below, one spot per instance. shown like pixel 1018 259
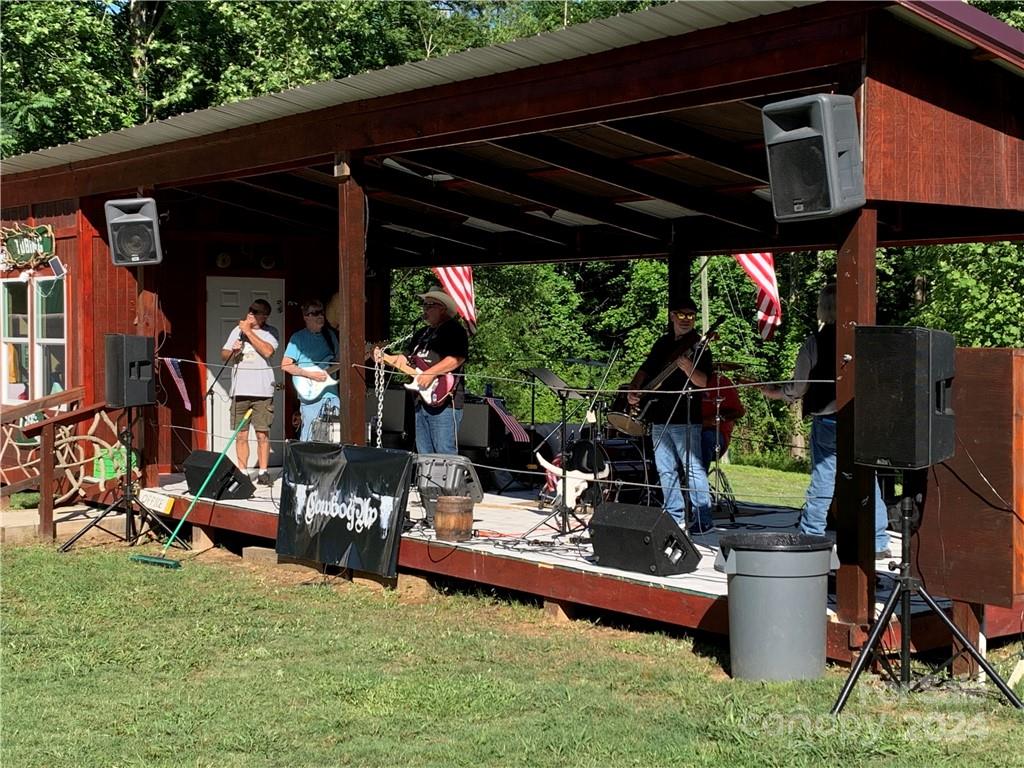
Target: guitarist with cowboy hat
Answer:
pixel 310 352
pixel 435 355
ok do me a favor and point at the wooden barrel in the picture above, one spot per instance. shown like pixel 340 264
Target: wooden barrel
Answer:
pixel 453 518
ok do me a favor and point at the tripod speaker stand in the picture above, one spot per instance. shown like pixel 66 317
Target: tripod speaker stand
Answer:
pixel 127 502
pixel 906 587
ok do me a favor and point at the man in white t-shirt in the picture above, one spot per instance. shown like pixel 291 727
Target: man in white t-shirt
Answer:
pixel 252 344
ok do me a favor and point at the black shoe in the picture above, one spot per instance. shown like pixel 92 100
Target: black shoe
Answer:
pixel 264 479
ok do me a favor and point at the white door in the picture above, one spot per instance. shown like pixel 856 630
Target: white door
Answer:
pixel 227 299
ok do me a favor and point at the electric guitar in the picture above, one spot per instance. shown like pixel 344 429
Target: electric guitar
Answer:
pixel 439 390
pixel 309 390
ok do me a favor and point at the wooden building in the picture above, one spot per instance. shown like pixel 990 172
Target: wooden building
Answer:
pixel 637 136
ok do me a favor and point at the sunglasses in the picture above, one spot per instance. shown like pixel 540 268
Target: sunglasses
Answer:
pixel 314 313
pixel 686 315
pixel 257 311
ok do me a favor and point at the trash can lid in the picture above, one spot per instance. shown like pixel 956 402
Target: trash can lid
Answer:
pixel 775 542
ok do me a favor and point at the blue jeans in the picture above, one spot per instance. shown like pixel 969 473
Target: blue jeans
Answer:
pixel 309 412
pixel 436 433
pixel 823 485
pixel 677 446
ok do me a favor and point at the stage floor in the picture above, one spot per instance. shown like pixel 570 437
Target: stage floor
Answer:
pixel 507 528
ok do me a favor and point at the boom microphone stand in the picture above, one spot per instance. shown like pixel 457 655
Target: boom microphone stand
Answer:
pixel 906 587
pixel 127 502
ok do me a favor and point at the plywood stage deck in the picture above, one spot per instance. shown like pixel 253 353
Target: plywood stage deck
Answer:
pixel 517 545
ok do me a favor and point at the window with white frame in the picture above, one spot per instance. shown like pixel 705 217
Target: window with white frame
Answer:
pixel 33 332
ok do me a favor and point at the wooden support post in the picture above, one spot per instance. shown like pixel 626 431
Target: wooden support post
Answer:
pixel 352 292
pixel 47 484
pixel 967 617
pixel 680 268
pixel 854 493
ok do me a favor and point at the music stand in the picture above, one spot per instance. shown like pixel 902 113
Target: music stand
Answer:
pixel 565 393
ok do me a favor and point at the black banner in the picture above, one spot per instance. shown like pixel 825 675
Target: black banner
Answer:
pixel 344 505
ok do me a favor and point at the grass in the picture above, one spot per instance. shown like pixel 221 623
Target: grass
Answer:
pixel 111 663
pixel 24 500
pixel 767 486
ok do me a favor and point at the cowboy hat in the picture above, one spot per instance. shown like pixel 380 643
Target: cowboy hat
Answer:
pixel 436 293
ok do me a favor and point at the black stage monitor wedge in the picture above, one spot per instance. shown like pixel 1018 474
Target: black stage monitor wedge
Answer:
pixel 133 232
pixel 129 370
pixel 228 482
pixel 903 406
pixel 814 164
pixel 642 539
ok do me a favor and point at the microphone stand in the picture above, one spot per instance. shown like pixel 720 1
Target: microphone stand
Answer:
pixel 231 363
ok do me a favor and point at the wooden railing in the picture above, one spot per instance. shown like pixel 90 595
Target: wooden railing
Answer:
pixel 50 449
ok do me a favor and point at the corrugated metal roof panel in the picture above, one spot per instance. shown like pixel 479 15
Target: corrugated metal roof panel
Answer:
pixel 579 40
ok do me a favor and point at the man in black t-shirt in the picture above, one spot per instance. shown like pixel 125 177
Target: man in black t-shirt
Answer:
pixel 677 367
pixel 435 358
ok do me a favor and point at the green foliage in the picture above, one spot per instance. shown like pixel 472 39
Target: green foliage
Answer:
pixel 1008 11
pixel 974 291
pixel 65 75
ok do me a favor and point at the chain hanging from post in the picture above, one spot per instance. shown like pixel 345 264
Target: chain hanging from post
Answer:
pixel 378 388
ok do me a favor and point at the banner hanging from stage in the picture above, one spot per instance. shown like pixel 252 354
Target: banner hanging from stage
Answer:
pixel 344 505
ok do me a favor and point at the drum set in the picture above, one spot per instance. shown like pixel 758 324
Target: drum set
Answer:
pixel 617 450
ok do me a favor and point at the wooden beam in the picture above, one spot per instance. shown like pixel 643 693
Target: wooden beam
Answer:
pixel 748 215
pixel 352 215
pixel 681 138
pixel 522 186
pixel 433 196
pixel 854 491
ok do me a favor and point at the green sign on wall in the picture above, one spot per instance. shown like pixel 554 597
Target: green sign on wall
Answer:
pixel 27 246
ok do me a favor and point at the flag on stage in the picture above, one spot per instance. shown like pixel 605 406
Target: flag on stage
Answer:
pixel 458 282
pixel 760 267
pixel 514 428
pixel 174 366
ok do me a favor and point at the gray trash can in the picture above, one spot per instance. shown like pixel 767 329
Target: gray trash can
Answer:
pixel 778 584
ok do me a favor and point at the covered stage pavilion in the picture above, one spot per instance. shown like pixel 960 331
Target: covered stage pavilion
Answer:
pixel 638 136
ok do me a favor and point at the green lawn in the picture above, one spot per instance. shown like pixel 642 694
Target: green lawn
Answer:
pixel 767 486
pixel 111 663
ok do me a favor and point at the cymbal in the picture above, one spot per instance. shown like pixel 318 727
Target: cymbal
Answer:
pixel 725 365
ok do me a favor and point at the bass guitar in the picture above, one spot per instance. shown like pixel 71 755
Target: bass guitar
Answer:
pixel 309 390
pixel 629 419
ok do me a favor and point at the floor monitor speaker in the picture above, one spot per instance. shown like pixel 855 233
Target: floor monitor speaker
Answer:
pixel 642 539
pixel 903 396
pixel 227 482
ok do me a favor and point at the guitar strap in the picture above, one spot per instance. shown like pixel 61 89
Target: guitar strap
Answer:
pixel 330 344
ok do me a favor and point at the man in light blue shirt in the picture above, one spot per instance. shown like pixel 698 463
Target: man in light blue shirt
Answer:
pixel 310 357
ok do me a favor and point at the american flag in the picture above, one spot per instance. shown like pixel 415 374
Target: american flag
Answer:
pixel 760 267
pixel 174 366
pixel 458 282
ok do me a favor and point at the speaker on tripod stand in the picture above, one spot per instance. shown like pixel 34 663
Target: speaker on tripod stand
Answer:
pixel 130 384
pixel 903 417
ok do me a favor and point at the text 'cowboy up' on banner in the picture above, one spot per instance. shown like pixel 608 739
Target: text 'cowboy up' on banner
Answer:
pixel 344 505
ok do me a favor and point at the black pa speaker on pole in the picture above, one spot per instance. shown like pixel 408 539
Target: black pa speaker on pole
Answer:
pixel 129 370
pixel 133 232
pixel 642 539
pixel 903 407
pixel 814 164
pixel 227 482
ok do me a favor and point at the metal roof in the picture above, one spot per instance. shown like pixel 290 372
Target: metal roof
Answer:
pixel 572 42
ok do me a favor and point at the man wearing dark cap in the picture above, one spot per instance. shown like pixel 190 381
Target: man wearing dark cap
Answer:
pixel 251 345
pixel 437 353
pixel 677 366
